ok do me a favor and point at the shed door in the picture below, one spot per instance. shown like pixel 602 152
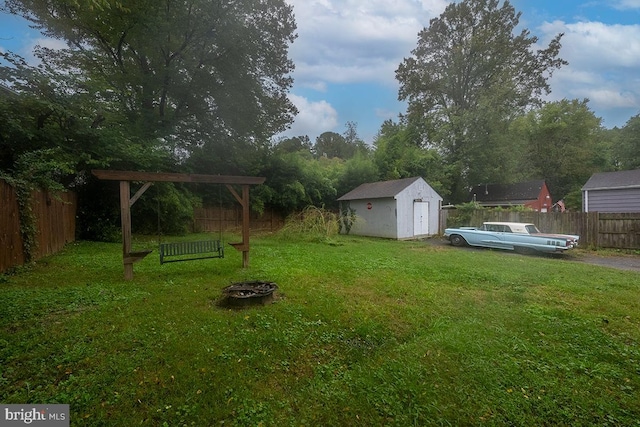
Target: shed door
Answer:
pixel 420 218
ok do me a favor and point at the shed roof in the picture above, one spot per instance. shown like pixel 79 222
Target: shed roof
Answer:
pixel 613 180
pixel 515 193
pixel 376 190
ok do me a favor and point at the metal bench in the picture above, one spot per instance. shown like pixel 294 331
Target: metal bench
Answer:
pixel 181 251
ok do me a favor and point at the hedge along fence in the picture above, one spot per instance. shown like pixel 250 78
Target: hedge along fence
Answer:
pixel 54 225
pixel 596 229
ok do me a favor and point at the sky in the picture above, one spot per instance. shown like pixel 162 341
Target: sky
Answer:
pixel 347 51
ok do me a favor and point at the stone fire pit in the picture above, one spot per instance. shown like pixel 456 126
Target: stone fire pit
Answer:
pixel 244 294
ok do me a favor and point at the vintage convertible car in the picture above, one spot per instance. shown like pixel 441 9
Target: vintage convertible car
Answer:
pixel 516 236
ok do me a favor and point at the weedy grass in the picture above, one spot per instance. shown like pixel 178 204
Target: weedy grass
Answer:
pixel 362 332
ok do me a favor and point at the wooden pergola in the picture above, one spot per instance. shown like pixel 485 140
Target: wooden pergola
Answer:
pixel 148 178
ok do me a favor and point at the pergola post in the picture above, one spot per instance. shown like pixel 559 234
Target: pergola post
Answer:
pixel 246 215
pixel 125 221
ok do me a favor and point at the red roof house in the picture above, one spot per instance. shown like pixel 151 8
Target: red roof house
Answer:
pixel 531 194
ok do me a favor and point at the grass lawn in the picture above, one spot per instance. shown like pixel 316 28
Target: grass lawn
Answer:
pixel 363 332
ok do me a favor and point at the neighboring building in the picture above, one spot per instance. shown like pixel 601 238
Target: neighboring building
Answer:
pixel 612 192
pixel 399 209
pixel 531 194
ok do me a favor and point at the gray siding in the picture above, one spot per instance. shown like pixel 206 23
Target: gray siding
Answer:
pixel 379 221
pixel 612 201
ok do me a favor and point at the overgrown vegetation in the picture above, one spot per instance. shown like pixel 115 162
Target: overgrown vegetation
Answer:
pixel 369 332
pixel 311 225
pixel 34 171
pixel 347 219
pixel 464 213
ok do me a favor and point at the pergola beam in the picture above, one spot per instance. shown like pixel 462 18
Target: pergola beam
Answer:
pixel 176 177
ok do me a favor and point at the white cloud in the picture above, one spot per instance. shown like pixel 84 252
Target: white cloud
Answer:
pixel 48 43
pixel 604 63
pixel 28 46
pixel 613 98
pixel 344 41
pixel 314 117
pixel 627 4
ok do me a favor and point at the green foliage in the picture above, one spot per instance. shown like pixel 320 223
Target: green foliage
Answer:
pixel 347 219
pixel 357 170
pixel 292 145
pixel 352 138
pixel 516 208
pixel 294 181
pixel 470 75
pixel 627 148
pixel 166 209
pixel 331 144
pixel 28 228
pixel 227 75
pixel 573 200
pixel 157 86
pixel 463 214
pixel 33 171
pixel 399 154
pixel 564 144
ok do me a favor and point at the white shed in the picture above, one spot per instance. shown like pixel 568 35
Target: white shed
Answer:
pixel 399 209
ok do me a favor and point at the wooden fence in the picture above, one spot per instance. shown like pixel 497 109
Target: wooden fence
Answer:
pixel 55 222
pixel 215 219
pixel 604 230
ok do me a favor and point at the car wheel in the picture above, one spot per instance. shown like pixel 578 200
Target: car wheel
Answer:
pixel 457 240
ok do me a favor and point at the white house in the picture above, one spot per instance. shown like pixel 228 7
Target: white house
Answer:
pixel 399 209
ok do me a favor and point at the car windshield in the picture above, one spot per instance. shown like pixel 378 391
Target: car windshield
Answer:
pixel 532 229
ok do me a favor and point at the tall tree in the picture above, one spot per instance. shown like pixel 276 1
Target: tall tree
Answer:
pixel 331 144
pixel 469 76
pixel 564 145
pixel 188 72
pixel 194 85
pixel 296 143
pixel 627 149
pixel 398 155
pixel 352 138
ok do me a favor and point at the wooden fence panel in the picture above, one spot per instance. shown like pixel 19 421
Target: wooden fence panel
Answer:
pixel 621 230
pixel 215 219
pixel 614 230
pixel 11 253
pixel 55 221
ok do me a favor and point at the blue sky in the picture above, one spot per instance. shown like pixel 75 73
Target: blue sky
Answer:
pixel 347 52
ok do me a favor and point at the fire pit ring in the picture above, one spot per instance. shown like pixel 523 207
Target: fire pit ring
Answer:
pixel 243 294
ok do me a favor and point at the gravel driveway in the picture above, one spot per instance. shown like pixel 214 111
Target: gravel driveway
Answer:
pixel 620 262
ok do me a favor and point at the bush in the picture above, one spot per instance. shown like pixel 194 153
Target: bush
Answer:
pixel 463 214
